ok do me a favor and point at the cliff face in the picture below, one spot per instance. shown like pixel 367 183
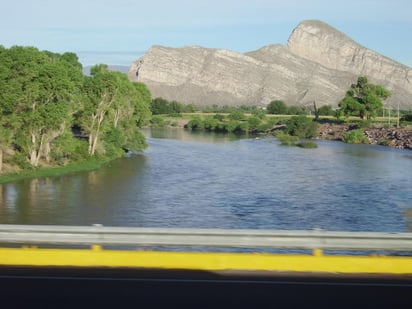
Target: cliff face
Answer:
pixel 319 63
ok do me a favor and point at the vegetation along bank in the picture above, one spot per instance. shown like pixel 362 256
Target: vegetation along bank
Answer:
pixel 52 115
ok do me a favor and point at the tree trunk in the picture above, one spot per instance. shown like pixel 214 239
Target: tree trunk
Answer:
pixel 116 117
pixel 33 152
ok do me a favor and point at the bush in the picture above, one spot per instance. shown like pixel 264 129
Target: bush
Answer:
pixel 302 127
pixel 254 122
pixel 210 124
pixel 195 123
pixel 286 139
pixel 355 137
pixel 237 115
pixel 67 147
pixel 219 117
pixel 406 118
pixel 20 159
pixel 158 122
pixel 297 110
pixel 326 110
pixel 277 107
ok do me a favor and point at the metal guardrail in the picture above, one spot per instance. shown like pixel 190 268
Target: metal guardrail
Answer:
pixel 217 238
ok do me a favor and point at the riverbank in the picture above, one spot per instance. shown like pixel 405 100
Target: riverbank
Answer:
pixel 52 171
pixel 376 133
pixel 393 137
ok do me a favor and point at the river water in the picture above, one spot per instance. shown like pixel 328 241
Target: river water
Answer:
pixel 205 180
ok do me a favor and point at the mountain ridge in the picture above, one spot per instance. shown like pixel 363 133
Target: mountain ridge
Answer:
pixel 318 63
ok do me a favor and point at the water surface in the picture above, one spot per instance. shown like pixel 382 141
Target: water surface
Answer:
pixel 204 180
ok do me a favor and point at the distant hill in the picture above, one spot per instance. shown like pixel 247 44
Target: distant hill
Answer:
pixel 119 68
pixel 319 63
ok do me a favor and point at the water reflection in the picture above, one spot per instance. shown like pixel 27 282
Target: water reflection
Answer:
pixel 193 136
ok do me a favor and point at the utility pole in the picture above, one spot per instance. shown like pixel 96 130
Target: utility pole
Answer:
pixel 397 122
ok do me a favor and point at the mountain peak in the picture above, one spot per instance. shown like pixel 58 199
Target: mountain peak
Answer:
pixel 318 63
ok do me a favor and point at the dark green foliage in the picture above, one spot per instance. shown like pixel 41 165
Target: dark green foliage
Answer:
pixel 296 110
pixel 301 126
pixel 43 95
pixel 363 99
pixel 160 106
pixel 254 122
pixel 355 137
pixel 210 124
pixel 326 110
pixel 219 117
pixel 237 122
pixel 407 118
pixel 237 115
pixel 195 123
pixel 286 139
pixel 277 107
pixel 68 148
pixel 157 122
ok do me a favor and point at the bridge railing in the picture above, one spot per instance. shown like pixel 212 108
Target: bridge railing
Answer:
pixel 38 235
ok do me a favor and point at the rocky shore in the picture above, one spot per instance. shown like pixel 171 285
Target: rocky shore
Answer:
pixel 394 137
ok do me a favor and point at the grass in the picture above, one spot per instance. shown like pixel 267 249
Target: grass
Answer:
pixel 53 171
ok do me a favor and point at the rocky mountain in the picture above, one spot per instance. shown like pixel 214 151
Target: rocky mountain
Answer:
pixel 318 63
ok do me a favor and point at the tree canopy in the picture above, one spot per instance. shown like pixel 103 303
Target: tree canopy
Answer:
pixel 363 99
pixel 44 96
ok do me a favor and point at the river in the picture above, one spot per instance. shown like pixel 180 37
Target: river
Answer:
pixel 207 180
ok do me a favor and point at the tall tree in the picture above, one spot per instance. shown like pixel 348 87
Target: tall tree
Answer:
pixel 277 107
pixel 113 108
pixel 37 98
pixel 363 99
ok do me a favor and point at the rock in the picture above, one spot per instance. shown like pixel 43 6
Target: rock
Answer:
pixel 318 64
pixel 393 137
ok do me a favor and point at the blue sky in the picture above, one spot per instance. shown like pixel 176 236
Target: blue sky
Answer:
pixel 119 31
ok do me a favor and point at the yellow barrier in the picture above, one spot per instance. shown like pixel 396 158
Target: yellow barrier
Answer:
pixel 96 257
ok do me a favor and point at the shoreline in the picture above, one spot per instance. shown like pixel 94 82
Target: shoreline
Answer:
pixel 400 138
pixel 56 171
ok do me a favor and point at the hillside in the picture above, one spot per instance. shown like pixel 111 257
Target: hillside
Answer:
pixel 318 63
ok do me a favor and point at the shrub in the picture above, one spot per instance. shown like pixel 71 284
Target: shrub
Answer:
pixel 195 123
pixel 237 115
pixel 254 122
pixel 355 137
pixel 210 124
pixel 326 110
pixel 277 107
pixel 219 117
pixel 286 139
pixel 301 126
pixel 157 122
pixel 20 159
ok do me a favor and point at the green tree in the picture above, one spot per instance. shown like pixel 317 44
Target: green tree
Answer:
pixel 37 99
pixel 160 106
pixel 325 110
pixel 363 99
pixel 113 103
pixel 277 107
pixel 301 126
